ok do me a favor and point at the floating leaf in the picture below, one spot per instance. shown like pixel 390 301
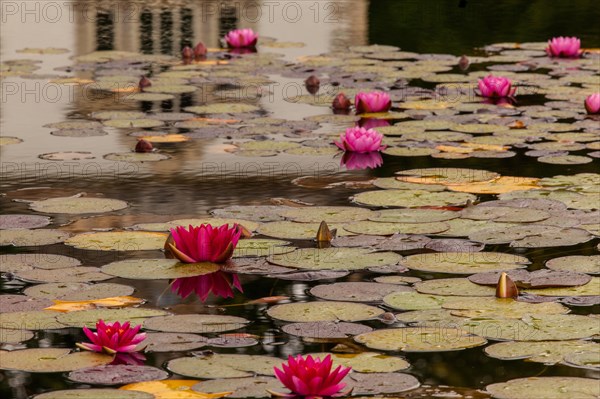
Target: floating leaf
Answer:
pixel 591 288
pixel 67 275
pixel 118 241
pixel 576 263
pixel 547 352
pixel 157 269
pixel 413 215
pixel 32 238
pixel 446 176
pixel 136 156
pixel 16 221
pixel 9 336
pixel 245 387
pixel 366 362
pixel 12 263
pixel 325 329
pixel 224 366
pixel 195 323
pixel 94 393
pixel 170 389
pixel 334 259
pixel 77 205
pixel 419 339
pixel 504 184
pixel 90 317
pixel 532 236
pixel 355 291
pixel 453 286
pixel 464 262
pixel 411 198
pixel 78 291
pixel 546 388
pixel 500 308
pixel 323 311
pixel 296 231
pixel 117 374
pixel 110 302
pixel 408 300
pixel 374 383
pixel 330 214
pixel 50 360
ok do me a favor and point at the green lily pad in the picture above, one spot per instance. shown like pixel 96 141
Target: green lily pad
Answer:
pixel 464 262
pixel 325 330
pixel 386 228
pixel 330 214
pixel 224 108
pixel 478 128
pixel 323 311
pixel 589 289
pixel 261 247
pixel 224 366
pixel 417 339
pixel 136 157
pixel 32 238
pixel 94 393
pixel 547 352
pixel 413 301
pixel 67 156
pixel 8 140
pixel 157 269
pixel 411 198
pixel 413 215
pixel 532 236
pixel 446 176
pixel 500 308
pixel 67 275
pixel 504 214
pixel 78 291
pixel 392 183
pixel 77 205
pixel 8 336
pixel 257 213
pixel 296 231
pixel 565 159
pixel 50 360
pixel 587 360
pixel 335 259
pixel 31 320
pixel 366 362
pixel 133 123
pixel 546 388
pixel 118 241
pixel 572 199
pixel 543 327
pixel 409 151
pixel 245 387
pixel 355 291
pixel 195 323
pixel 381 383
pixel 13 263
pixel 89 318
pixel 453 286
pixel 576 263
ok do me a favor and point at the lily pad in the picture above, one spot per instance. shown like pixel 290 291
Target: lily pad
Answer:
pixel 67 275
pixel 464 262
pixel 50 360
pixel 136 157
pixel 532 236
pixel 30 320
pixel 388 228
pixel 77 205
pixel 22 303
pixel 141 123
pixel 537 279
pixel 334 259
pixel 12 263
pixel 323 311
pixel 32 238
pixel 224 366
pixel 118 241
pixel 589 289
pixel 172 342
pixel 378 383
pixel 224 108
pixel 355 291
pixel 195 323
pixel 90 317
pixel 417 339
pixel 325 329
pixel 157 269
pixel 547 352
pixel 245 387
pixel 78 291
pixel 94 393
pixel 413 215
pixel 411 198
pixel 500 308
pixel 587 360
pixel 546 388
pixel 454 286
pixel 408 300
pixel 330 214
pixel 117 374
pixel 9 336
pixel 576 263
pixel 8 140
pixel 446 176
pixel 366 362
pixel 16 221
pixel 295 231
pixel 261 247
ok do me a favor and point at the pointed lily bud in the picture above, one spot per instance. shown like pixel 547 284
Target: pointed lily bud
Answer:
pixel 341 102
pixel 506 288
pixel 187 53
pixel 143 83
pixel 200 50
pixel 464 63
pixel 324 234
pixel 312 84
pixel 143 146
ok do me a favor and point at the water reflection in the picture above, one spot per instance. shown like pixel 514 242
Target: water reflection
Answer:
pixel 129 359
pixel 219 283
pixel 366 160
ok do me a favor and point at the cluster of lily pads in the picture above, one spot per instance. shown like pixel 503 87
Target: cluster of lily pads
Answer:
pixel 403 232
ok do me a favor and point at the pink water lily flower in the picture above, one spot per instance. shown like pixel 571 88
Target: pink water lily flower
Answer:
pixel 204 243
pixel 219 283
pixel 496 86
pixel 592 103
pixel 359 139
pixel 311 378
pixel 112 338
pixel 374 101
pixel 366 160
pixel 564 47
pixel 240 38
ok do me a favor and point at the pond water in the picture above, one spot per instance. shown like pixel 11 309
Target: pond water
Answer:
pixel 235 131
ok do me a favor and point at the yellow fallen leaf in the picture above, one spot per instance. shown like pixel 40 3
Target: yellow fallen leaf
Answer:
pixel 484 147
pixel 213 120
pixel 172 389
pixel 72 81
pixel 451 148
pixel 112 302
pixel 129 89
pixel 504 184
pixel 166 138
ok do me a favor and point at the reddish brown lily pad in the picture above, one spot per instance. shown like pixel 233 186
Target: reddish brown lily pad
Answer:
pixel 23 221
pixel 325 329
pixel 22 303
pixel 355 291
pixel 380 383
pixel 117 374
pixel 537 279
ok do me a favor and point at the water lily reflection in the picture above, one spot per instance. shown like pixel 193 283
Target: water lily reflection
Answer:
pixel 366 160
pixel 129 359
pixel 372 123
pixel 219 283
